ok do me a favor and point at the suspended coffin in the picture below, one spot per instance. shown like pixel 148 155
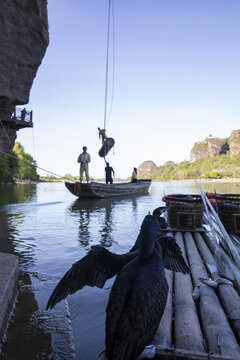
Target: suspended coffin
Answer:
pixel 106 147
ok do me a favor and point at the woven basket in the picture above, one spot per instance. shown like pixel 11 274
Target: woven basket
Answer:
pixel 229 211
pixel 184 211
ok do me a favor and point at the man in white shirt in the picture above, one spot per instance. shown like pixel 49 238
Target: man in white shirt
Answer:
pixel 84 159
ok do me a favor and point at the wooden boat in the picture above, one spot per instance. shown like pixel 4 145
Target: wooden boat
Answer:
pixel 102 190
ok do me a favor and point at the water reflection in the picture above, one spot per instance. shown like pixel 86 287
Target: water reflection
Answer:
pixel 11 220
pixel 49 232
pixel 17 193
pixel 36 333
pixel 219 187
pixel 99 214
pixel 91 212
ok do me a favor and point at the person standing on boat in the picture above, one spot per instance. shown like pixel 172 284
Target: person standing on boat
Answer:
pixel 84 159
pixel 134 176
pixel 109 170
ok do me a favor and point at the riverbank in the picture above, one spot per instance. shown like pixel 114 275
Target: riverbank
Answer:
pixel 202 180
pixel 44 180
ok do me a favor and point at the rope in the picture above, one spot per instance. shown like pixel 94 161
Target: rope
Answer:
pixel 33 140
pixel 26 162
pixel 29 163
pixel 113 62
pixel 107 56
pixel 6 133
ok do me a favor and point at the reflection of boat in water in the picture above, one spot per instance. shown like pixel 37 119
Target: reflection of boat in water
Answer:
pixel 102 190
pixel 98 213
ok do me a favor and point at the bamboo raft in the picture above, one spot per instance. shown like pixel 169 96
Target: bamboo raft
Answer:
pixel 207 327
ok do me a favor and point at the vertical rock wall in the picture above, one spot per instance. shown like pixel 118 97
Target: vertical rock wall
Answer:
pixel 24 40
pixel 235 142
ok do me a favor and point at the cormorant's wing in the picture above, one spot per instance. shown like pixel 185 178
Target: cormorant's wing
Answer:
pixel 172 255
pixel 92 270
pixel 136 245
pixel 116 303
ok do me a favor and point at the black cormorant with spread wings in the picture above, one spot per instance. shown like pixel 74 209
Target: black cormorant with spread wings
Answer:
pixel 139 293
pixel 97 266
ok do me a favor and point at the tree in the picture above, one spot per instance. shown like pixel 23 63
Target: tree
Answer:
pixel 27 165
pixel 18 165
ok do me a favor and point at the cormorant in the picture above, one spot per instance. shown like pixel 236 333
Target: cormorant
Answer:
pixel 139 294
pixel 96 267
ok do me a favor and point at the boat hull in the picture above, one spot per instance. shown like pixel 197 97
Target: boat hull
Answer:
pixel 102 190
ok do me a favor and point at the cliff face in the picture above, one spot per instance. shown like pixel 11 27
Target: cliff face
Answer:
pixel 235 142
pixel 145 167
pixel 209 148
pixel 24 40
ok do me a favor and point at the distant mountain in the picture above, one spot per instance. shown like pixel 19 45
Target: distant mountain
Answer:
pixel 146 167
pixel 68 176
pixel 213 146
pixel 213 158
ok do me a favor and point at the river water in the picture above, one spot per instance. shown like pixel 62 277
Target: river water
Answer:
pixel 49 230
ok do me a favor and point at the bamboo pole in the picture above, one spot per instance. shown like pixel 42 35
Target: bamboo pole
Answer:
pixel 220 236
pixel 228 295
pixel 226 237
pixel 236 242
pixel 187 330
pixel 170 354
pixel 163 334
pixel 216 329
pixel 207 212
pixel 225 265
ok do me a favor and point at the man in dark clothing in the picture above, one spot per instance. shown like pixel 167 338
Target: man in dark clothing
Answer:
pixel 134 176
pixel 109 170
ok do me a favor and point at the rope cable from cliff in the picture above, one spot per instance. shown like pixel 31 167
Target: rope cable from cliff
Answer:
pixel 110 11
pixel 24 161
pixel 113 62
pixel 29 163
pixel 6 133
pixel 33 141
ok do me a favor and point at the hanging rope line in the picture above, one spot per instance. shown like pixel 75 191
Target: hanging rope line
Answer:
pixel 24 161
pixel 6 133
pixel 113 62
pixel 107 62
pixel 33 141
pixel 29 163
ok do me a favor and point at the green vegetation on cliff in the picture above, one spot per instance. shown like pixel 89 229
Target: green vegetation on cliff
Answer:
pixel 24 167
pixel 222 166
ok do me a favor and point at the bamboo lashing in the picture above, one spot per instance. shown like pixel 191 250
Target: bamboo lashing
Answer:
pixel 217 331
pixel 227 294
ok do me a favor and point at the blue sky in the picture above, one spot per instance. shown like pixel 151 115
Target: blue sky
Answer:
pixel 176 81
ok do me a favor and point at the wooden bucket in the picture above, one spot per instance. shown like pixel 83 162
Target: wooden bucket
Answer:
pixel 184 211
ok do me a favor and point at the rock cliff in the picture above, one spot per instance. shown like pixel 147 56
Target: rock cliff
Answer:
pixel 210 147
pixel 146 167
pixel 24 40
pixel 235 142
